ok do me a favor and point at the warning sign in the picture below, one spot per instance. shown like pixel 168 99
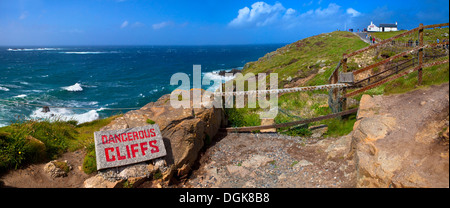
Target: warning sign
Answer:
pixel 127 146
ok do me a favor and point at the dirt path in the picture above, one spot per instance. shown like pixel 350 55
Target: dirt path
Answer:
pixel 273 160
pixel 33 175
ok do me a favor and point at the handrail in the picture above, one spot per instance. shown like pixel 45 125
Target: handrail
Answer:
pixel 335 71
pixel 293 123
pixel 393 38
pixel 397 56
pixel 351 94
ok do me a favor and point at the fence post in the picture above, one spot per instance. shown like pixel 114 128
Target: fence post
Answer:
pixel 344 91
pixel 419 82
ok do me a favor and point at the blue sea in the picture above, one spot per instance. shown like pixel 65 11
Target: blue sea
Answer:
pixel 103 78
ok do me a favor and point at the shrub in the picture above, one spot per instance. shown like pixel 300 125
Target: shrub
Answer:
pixel 90 162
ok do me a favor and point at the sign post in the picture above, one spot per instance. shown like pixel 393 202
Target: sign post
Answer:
pixel 127 146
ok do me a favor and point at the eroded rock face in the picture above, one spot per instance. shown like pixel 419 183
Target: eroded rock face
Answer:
pixel 396 139
pixel 184 132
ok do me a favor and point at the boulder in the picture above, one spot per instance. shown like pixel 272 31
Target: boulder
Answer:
pixel 98 181
pixel 396 145
pixel 184 131
pixel 57 168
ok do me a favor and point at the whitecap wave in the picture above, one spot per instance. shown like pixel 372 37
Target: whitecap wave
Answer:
pixel 33 49
pixel 63 114
pixel 83 52
pixel 20 96
pixel 88 52
pixel 218 79
pixel 74 88
pixel 4 89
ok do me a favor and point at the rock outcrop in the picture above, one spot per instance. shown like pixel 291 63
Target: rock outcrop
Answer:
pixel 184 132
pixel 396 139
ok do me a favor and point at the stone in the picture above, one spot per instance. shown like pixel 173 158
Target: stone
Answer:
pixel 184 132
pixel 57 168
pixel 98 181
pixel 396 145
pixel 256 161
pixel 373 128
pixel 341 147
pixel 237 170
pixel 301 164
pixel 318 131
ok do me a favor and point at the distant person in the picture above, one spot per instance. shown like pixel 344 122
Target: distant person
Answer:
pixel 373 40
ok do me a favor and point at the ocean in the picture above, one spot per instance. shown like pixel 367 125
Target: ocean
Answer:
pixel 103 78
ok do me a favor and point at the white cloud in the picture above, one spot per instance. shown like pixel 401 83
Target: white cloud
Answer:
pixel 353 12
pixel 161 25
pixel 124 24
pixel 261 14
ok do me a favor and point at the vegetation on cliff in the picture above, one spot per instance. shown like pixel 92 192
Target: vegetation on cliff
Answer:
pixel 311 61
pixel 28 141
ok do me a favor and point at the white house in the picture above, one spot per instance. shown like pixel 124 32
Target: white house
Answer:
pixel 382 27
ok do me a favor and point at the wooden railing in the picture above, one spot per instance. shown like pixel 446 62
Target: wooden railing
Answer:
pixel 334 79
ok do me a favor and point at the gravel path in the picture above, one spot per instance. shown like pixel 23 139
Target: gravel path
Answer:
pixel 273 160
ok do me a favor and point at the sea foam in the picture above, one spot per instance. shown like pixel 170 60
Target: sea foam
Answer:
pixel 4 88
pixel 74 88
pixel 63 114
pixel 218 79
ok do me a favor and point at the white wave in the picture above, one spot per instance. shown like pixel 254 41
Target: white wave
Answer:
pixel 4 88
pixel 33 49
pixel 20 96
pixel 218 79
pixel 65 115
pixel 88 52
pixel 74 88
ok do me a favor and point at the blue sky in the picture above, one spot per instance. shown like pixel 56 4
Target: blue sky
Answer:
pixel 203 22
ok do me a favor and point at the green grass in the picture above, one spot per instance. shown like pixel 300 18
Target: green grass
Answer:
pixel 340 126
pixel 299 60
pixel 307 56
pixel 51 139
pixel 429 35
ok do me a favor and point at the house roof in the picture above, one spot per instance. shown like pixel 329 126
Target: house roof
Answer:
pixel 388 25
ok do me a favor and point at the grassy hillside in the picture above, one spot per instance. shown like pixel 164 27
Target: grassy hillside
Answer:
pixel 306 62
pixel 310 62
pixel 430 35
pixel 307 56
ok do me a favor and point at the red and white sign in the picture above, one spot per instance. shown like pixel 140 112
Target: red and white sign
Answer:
pixel 127 146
